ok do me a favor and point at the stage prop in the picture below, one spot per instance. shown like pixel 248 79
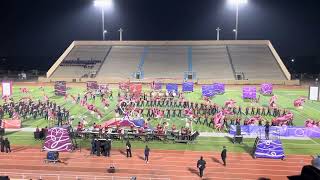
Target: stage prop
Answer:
pixel 11 124
pixel 249 92
pixel 6 88
pixel 135 89
pixel 58 139
pixel 271 149
pixel 60 88
pixel 156 85
pixel 314 93
pixel 92 85
pixel 124 85
pixel 137 123
pixel 219 88
pixel 208 90
pixel 172 87
pixel 266 89
pixel 285 131
pixel 187 87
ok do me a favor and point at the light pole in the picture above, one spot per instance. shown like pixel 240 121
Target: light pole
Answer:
pixel 218 33
pixel 103 4
pixel 237 3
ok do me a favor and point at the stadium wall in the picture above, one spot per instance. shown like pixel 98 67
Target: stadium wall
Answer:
pixel 280 62
pixel 178 81
pixel 61 58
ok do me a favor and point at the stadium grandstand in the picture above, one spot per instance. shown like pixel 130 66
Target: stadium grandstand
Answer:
pixel 230 62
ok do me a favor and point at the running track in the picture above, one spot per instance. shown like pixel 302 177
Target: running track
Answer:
pixel 163 164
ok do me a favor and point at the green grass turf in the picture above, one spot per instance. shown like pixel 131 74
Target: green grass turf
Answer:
pixel 285 100
pixel 215 144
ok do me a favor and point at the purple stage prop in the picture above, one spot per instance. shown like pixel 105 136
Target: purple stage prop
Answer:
pixel 285 131
pixel 57 139
pixel 187 87
pixel 219 88
pixel 208 91
pixel 172 87
pixel 60 88
pixel 249 92
pixel 92 85
pixel 271 149
pixel 266 89
pixel 157 85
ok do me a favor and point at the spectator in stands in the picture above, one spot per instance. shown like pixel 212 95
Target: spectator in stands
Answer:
pixel 128 148
pixel 7 145
pixel 146 154
pixel 201 165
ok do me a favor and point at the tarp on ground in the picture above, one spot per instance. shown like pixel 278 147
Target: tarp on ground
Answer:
pixel 286 131
pixel 58 139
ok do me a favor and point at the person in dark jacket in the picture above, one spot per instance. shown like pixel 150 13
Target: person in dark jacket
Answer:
pixel 1 144
pixel 7 145
pixel 107 147
pixel 266 129
pixel 128 148
pixel 201 165
pixel 98 147
pixel 146 154
pixel 93 145
pixel 224 155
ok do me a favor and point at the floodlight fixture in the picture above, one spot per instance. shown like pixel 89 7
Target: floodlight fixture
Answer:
pixel 236 2
pixel 103 3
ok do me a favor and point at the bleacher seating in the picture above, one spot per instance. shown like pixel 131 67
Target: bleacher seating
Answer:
pixel 82 61
pixel 121 62
pixel 118 61
pixel 166 62
pixel 211 62
pixel 256 62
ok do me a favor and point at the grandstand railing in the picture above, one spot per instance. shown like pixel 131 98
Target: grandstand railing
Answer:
pixel 43 176
pixel 231 63
pixel 103 60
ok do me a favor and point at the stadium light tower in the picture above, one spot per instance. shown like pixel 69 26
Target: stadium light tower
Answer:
pixel 103 4
pixel 237 3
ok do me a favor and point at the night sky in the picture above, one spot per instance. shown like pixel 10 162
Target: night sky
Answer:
pixel 34 33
